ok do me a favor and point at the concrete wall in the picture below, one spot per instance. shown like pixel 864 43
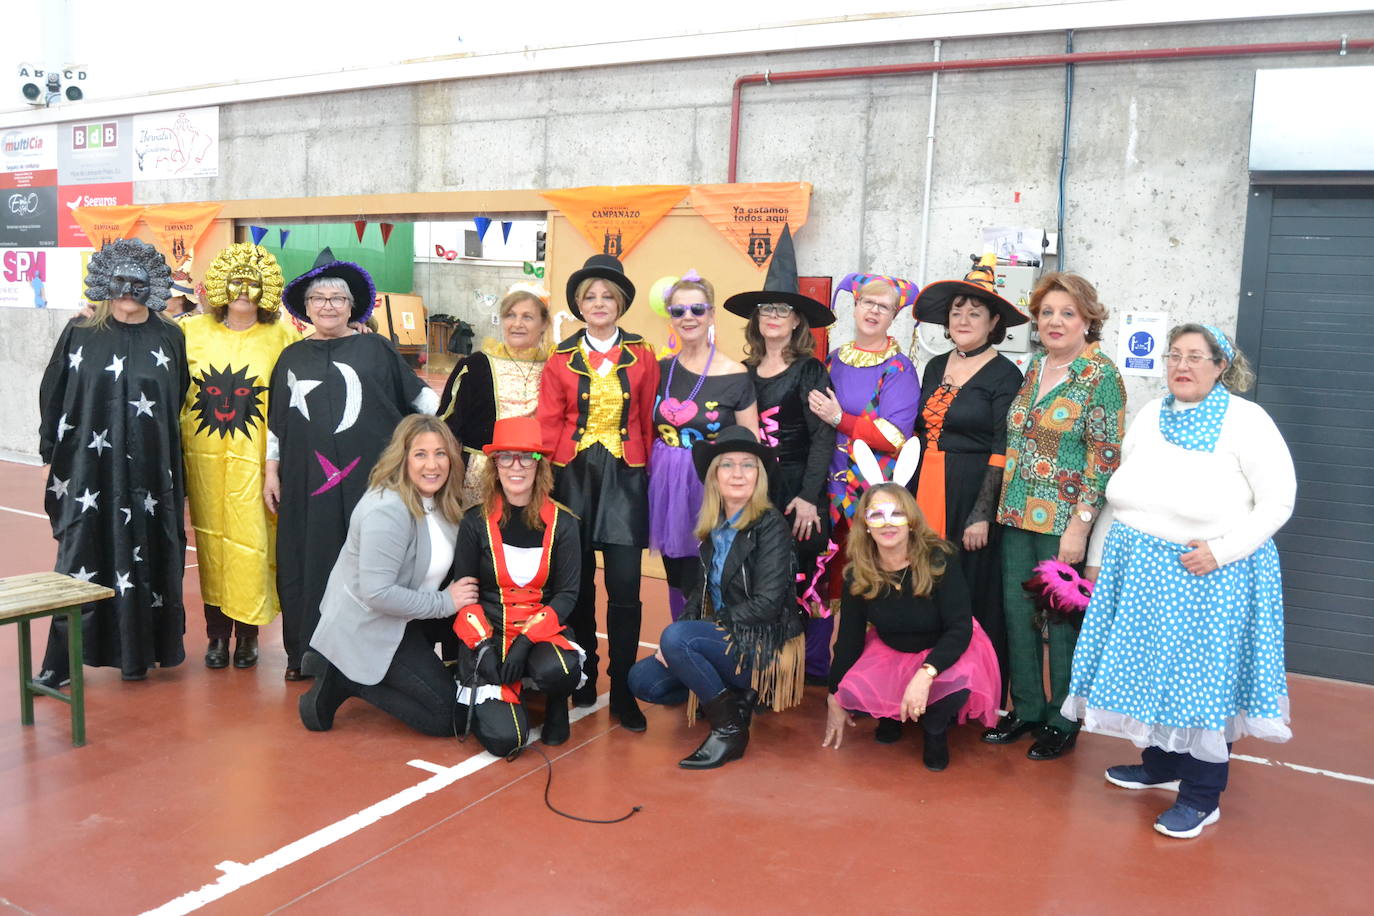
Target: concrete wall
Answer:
pixel 1157 177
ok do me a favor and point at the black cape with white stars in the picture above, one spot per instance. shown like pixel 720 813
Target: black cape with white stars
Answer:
pixel 110 402
pixel 333 406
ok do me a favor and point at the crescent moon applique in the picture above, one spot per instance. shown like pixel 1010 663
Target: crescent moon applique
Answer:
pixel 353 396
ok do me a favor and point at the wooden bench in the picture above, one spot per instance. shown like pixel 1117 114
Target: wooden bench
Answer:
pixel 49 594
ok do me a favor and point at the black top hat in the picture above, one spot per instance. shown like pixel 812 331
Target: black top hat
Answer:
pixel 731 439
pixel 600 267
pixel 980 283
pixel 359 284
pixel 781 286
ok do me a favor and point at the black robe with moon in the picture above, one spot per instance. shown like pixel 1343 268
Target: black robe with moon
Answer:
pixel 110 403
pixel 332 407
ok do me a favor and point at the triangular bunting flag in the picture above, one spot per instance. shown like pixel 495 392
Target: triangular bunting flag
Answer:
pixel 505 230
pixel 281 237
pixel 614 219
pixel 386 232
pixel 752 216
pixel 103 225
pixel 361 226
pixel 483 223
pixel 177 228
pixel 257 232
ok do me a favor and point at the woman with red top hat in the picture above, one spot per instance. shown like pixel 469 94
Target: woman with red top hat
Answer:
pixel 523 549
pixel 596 404
pixel 965 395
pixel 875 398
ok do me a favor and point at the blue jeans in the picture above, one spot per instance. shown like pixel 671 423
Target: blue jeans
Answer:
pixel 697 661
pixel 1201 783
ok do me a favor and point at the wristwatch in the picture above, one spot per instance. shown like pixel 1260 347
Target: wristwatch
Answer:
pixel 931 670
pixel 1085 516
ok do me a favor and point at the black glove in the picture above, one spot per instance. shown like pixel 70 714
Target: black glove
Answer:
pixel 481 664
pixel 513 668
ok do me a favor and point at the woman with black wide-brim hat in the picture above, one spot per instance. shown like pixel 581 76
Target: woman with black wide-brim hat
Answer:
pixel 965 395
pixel 596 403
pixel 335 399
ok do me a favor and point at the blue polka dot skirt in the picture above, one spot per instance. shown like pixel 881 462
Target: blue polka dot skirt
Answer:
pixel 1177 661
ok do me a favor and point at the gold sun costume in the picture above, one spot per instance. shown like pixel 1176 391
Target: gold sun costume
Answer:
pixel 224 433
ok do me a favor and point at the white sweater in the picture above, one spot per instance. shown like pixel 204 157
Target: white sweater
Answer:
pixel 1235 498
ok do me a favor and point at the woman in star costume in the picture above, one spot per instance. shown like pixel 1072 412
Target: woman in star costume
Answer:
pixel 335 399
pixel 109 403
pixel 230 352
pixel 500 381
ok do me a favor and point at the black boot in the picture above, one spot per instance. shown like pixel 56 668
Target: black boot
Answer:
pixel 246 652
pixel 622 631
pixel 889 731
pixel 217 654
pixel 556 727
pixel 318 704
pixel 935 724
pixel 729 734
pixel 747 698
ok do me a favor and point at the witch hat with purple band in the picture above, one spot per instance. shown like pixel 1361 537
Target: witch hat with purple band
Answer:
pixel 359 284
pixel 781 286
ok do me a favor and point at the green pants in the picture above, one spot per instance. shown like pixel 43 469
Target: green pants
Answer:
pixel 1021 550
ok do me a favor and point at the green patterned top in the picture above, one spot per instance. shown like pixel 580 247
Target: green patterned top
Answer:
pixel 1063 449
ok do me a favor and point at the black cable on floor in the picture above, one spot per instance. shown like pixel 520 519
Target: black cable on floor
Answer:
pixel 549 784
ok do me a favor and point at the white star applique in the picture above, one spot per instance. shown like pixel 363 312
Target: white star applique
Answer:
pixel 122 582
pixel 62 427
pixel 116 365
pixel 137 556
pixel 142 405
pixel 88 499
pixel 157 600
pixel 149 503
pixel 128 514
pixel 162 358
pixel 74 359
pixel 83 575
pixel 299 389
pixel 59 486
pixel 99 442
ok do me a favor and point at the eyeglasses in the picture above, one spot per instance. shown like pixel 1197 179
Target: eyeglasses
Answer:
pixel 511 459
pixel 337 302
pixel 775 309
pixel 697 308
pixel 874 305
pixel 745 466
pixel 883 516
pixel 1191 359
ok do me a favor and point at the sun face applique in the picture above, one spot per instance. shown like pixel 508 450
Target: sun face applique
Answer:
pixel 228 401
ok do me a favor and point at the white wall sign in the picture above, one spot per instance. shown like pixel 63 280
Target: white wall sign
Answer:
pixel 176 144
pixel 41 278
pixel 1140 343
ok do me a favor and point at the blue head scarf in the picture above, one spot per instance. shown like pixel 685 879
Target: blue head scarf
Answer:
pixel 1197 429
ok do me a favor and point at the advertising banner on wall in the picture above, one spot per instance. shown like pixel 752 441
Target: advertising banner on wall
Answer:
pixel 89 152
pixel 751 216
pixel 46 278
pixel 614 219
pixel 178 227
pixel 28 157
pixel 70 196
pixel 28 217
pixel 176 144
pixel 107 224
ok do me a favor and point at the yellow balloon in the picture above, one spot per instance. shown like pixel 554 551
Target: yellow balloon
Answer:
pixel 657 292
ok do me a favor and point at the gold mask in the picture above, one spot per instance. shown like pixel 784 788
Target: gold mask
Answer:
pixel 241 269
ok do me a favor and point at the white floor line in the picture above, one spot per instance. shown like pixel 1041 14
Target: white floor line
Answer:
pixel 45 518
pixel 646 645
pixel 1365 780
pixel 237 875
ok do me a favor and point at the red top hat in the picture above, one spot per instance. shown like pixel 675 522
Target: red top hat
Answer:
pixel 516 434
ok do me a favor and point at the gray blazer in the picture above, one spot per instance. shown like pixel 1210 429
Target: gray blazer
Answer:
pixel 374 589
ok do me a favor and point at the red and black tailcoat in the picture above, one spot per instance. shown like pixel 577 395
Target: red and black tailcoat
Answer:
pixel 564 397
pixel 505 610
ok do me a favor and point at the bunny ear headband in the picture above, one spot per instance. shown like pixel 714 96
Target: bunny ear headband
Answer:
pixel 852 283
pixel 902 472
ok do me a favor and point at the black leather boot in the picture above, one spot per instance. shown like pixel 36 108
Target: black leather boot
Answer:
pixel 622 632
pixel 318 704
pixel 556 726
pixel 748 698
pixel 729 734
pixel 935 723
pixel 217 655
pixel 246 652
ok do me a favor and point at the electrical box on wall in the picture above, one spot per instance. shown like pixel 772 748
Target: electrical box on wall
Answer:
pixel 1015 285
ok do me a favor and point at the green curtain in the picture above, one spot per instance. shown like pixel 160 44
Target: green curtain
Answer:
pixel 392 265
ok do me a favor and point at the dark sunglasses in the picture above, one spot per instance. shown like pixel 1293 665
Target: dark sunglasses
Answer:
pixel 697 308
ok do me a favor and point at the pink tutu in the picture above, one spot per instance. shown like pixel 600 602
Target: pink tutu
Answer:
pixel 675 496
pixel 878 679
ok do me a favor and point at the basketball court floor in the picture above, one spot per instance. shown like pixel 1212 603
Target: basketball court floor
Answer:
pixel 200 792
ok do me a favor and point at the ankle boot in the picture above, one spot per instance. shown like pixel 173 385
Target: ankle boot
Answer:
pixel 246 652
pixel 747 698
pixel 622 632
pixel 556 727
pixel 729 734
pixel 935 727
pixel 217 654
pixel 318 704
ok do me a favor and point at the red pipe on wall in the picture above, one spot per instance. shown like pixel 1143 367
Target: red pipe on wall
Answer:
pixel 1038 60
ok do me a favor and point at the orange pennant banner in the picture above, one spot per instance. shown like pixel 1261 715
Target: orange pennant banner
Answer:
pixel 178 227
pixel 614 219
pixel 103 225
pixel 751 216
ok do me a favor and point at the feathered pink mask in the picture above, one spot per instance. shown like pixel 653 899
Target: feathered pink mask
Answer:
pixel 1061 595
